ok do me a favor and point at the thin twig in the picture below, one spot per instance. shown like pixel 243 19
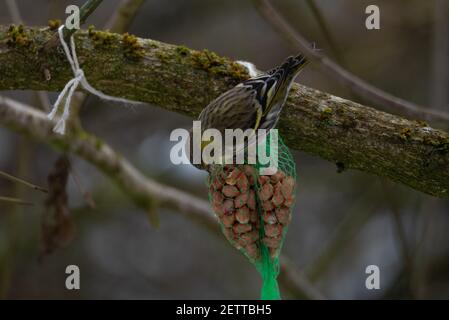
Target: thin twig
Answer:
pixel 16 201
pixel 386 100
pixel 325 30
pixel 14 11
pixel 26 183
pixel 400 231
pixel 426 239
pixel 124 15
pixel 86 195
pixel 331 41
pixel 293 279
pixel 359 213
pixel 440 95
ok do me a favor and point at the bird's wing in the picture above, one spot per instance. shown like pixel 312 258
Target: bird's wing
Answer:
pixel 237 108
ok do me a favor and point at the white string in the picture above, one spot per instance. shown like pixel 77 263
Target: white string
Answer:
pixel 251 68
pixel 72 85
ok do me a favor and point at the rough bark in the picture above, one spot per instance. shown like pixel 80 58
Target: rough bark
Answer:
pixel 184 81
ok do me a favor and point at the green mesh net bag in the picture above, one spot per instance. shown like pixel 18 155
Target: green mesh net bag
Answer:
pixel 255 210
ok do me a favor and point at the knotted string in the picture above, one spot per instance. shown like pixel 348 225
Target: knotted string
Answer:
pixel 72 85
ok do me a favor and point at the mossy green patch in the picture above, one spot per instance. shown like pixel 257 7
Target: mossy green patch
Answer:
pixel 163 56
pixel 182 51
pixel 422 123
pixel 443 145
pixel 213 63
pixel 153 44
pixel 101 38
pixel 54 24
pixel 207 59
pixel 131 46
pixel 17 36
pixel 405 133
pixel 326 113
pixel 80 134
pixel 429 141
pixel 98 144
pixel 439 144
pixel 60 144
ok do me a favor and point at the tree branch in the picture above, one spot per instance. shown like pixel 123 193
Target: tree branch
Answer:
pixel 146 193
pixel 143 191
pixel 185 81
pixel 23 182
pixel 294 279
pixel 15 201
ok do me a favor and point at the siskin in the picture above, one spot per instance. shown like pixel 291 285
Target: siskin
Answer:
pixel 253 104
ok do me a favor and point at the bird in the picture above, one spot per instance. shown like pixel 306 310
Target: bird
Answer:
pixel 255 103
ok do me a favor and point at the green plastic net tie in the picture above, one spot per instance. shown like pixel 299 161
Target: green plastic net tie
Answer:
pixel 269 271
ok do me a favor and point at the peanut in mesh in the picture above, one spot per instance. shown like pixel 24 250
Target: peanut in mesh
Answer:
pixel 235 196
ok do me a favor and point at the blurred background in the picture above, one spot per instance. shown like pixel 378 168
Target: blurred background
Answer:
pixel 342 222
